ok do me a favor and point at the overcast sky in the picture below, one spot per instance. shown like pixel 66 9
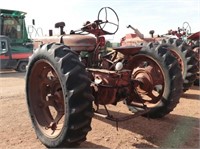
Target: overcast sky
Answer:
pixel 159 15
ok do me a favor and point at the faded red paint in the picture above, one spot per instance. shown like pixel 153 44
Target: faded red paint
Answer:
pixel 108 83
pixel 75 42
pixel 194 36
pixel 17 56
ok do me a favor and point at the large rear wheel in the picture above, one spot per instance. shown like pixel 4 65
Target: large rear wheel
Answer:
pixel 186 58
pixel 58 96
pixel 157 81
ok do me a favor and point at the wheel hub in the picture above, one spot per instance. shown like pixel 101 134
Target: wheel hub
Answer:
pixel 146 83
pixel 147 79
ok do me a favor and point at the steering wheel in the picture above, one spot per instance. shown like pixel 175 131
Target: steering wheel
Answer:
pixel 109 27
pixel 187 28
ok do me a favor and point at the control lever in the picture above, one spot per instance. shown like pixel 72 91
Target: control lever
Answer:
pixel 137 32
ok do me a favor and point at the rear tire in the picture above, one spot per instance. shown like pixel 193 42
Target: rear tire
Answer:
pixel 58 96
pixel 186 58
pixel 164 69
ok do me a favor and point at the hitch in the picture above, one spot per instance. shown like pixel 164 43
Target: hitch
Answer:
pixel 110 117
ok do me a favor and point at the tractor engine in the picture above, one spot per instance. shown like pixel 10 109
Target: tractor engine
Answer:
pixel 109 87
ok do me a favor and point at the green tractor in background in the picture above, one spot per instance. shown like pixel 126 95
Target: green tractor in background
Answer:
pixel 15 46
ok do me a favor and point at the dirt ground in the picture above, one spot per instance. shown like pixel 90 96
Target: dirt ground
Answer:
pixel 179 129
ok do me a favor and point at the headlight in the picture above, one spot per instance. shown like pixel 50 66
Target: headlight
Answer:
pixel 119 66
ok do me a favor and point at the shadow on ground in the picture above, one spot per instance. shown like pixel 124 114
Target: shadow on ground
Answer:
pixel 172 131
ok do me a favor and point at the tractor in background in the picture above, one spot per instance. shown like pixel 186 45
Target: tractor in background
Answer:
pixel 194 41
pixel 176 43
pixel 15 46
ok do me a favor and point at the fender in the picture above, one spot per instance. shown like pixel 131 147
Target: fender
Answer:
pixel 195 36
pixel 128 50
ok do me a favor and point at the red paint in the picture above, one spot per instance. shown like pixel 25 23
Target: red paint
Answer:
pixel 17 56
pixel 194 36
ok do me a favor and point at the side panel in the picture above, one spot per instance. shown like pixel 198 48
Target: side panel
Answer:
pixel 7 63
pixel 16 56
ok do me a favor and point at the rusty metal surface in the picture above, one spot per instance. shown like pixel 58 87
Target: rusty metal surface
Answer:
pixel 134 39
pixel 195 36
pixel 149 79
pixel 75 42
pixel 107 84
pixel 80 42
pixel 128 50
pixel 44 40
pixel 46 98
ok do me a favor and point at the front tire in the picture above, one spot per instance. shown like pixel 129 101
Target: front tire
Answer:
pixel 58 96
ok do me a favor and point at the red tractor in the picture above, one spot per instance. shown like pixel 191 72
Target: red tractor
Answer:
pixel 175 42
pixel 193 41
pixel 69 79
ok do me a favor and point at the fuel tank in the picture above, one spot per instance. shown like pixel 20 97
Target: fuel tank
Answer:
pixel 75 42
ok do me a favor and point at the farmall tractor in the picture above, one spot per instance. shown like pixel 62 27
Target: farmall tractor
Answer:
pixel 193 41
pixel 174 41
pixel 69 79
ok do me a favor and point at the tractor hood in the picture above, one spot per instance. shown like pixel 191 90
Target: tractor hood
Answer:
pixel 75 42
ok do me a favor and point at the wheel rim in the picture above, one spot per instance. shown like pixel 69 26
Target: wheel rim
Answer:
pixel 46 99
pixel 148 78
